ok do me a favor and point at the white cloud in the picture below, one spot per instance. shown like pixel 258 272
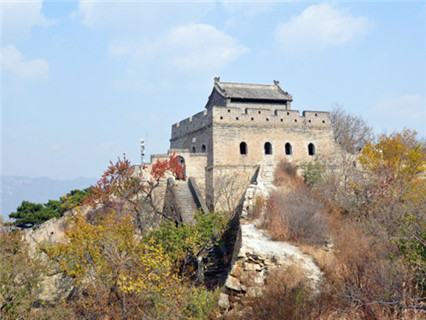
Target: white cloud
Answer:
pixel 18 17
pixel 406 111
pixel 123 19
pixel 193 47
pixel 14 63
pixel 320 26
pixel 202 46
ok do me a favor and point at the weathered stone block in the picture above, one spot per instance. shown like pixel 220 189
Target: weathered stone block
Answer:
pixel 233 283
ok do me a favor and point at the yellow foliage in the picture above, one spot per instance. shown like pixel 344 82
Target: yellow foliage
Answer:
pixel 110 252
pixel 399 161
pixel 402 153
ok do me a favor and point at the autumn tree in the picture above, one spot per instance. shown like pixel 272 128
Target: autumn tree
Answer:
pixel 395 201
pixel 19 275
pixel 118 274
pixel 400 160
pixel 125 189
pixel 114 272
pixel 185 242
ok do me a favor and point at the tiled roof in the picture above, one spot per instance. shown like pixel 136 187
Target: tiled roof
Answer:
pixel 252 91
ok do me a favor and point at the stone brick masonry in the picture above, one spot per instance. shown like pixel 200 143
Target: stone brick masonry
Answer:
pixel 244 126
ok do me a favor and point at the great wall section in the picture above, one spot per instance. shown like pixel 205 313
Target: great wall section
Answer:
pixel 243 133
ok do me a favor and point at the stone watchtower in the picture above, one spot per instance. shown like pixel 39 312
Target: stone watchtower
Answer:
pixel 245 126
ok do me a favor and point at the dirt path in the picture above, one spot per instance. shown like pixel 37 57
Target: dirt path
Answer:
pixel 256 241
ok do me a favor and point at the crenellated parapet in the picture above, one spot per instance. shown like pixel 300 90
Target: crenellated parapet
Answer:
pixel 191 124
pixel 263 116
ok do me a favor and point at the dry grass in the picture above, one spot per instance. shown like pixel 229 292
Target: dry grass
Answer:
pixel 296 216
pixel 323 258
pixel 286 175
pixel 283 296
pixel 287 295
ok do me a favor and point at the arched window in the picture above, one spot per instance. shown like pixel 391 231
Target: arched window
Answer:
pixel 268 148
pixel 311 149
pixel 288 149
pixel 243 148
pixel 193 149
pixel 203 148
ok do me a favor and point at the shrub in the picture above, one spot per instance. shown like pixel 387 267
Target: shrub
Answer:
pixel 287 167
pixel 296 216
pixel 285 172
pixel 313 171
pixel 372 277
pixel 287 295
pixel 19 275
pixel 200 303
pixel 284 296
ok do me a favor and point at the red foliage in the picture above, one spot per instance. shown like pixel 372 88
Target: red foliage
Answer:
pixel 172 165
pixel 110 180
pixel 120 187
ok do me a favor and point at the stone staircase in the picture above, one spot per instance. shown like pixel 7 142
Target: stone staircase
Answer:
pixel 185 201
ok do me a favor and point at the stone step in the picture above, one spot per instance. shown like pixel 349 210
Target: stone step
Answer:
pixel 185 201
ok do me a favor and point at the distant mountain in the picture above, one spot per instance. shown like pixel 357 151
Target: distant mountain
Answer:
pixel 15 189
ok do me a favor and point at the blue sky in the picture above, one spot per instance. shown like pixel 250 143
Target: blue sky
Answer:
pixel 82 82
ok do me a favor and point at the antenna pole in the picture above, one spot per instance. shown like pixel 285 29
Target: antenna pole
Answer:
pixel 142 152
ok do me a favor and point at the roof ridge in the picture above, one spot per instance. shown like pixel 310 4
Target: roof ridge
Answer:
pixel 250 84
pixel 238 90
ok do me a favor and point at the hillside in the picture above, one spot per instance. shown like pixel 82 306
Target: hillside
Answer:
pixel 340 238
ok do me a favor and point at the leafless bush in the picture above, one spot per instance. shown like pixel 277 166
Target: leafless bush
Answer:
pixel 287 295
pixel 370 277
pixel 350 131
pixel 228 190
pixel 287 167
pixel 339 177
pixel 283 297
pixel 285 172
pixel 296 216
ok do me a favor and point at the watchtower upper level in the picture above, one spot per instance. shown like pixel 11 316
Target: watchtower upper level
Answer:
pixel 228 94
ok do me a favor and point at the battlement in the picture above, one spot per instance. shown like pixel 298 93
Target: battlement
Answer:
pixel 253 116
pixel 264 116
pixel 191 124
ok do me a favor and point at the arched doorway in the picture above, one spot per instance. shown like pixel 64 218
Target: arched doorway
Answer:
pixel 181 175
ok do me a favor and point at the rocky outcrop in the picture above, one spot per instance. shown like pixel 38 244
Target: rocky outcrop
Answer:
pixel 54 286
